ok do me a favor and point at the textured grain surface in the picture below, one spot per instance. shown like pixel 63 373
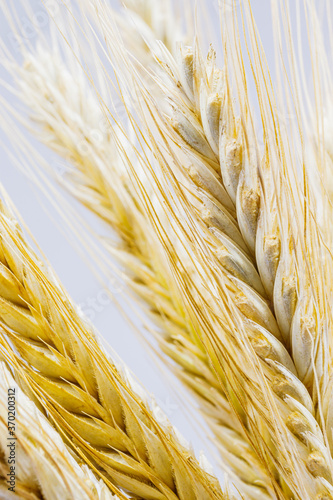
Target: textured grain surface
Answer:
pixel 90 398
pixel 257 223
pixel 281 300
pixel 107 192
pixel 43 467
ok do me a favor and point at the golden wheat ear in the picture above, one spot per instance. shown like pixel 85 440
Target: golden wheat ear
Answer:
pixel 265 208
pixel 91 399
pixel 249 305
pixel 281 255
pixel 42 467
pixel 107 190
pixel 106 194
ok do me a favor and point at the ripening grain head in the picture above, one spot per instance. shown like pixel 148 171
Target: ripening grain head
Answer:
pixel 89 397
pixel 43 466
pixel 216 233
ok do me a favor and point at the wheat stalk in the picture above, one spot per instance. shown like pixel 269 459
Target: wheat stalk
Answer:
pixel 196 114
pixel 247 208
pixel 44 468
pixel 204 118
pixel 92 400
pixel 258 341
pixel 307 336
pixel 106 191
pixel 294 268
pixel 231 201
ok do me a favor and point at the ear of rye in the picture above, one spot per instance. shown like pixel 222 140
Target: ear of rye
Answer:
pixel 111 197
pixel 248 215
pixel 43 466
pixel 87 396
pixel 261 219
